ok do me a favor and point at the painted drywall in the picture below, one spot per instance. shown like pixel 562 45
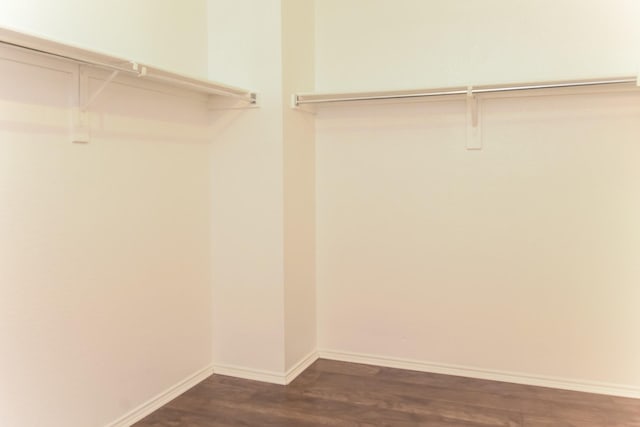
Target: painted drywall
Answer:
pixel 164 33
pixel 247 191
pixel 104 249
pixel 521 257
pixel 298 57
pixel 379 44
pixel 233 49
pixel 263 205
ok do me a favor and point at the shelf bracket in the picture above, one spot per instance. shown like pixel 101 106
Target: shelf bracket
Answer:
pixel 80 133
pixel 296 106
pixel 474 131
pixel 98 92
pixel 221 102
pixel 141 70
pixel 80 126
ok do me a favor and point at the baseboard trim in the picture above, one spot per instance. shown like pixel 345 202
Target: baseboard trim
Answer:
pixel 162 399
pixel 280 378
pixel 301 366
pixel 485 374
pixel 437 368
pixel 250 374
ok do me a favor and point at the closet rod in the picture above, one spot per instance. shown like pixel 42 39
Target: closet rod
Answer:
pixel 334 98
pixel 106 66
pixel 81 56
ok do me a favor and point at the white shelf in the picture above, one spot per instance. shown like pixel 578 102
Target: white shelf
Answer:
pixel 80 55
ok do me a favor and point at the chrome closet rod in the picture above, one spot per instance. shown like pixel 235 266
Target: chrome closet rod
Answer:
pixel 251 98
pixel 478 90
pixel 559 85
pixel 68 58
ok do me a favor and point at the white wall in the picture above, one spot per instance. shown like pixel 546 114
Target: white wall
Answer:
pixel 263 190
pixel 164 33
pixel 379 44
pixel 247 192
pixel 104 248
pixel 522 257
pixel 298 54
pixel 233 46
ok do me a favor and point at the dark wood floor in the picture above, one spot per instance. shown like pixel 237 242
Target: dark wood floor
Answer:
pixel 345 394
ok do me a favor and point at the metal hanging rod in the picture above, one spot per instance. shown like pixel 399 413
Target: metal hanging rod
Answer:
pixel 106 66
pixel 311 98
pixel 86 57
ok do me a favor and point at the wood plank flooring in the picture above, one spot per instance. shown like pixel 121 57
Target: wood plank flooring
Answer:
pixel 333 393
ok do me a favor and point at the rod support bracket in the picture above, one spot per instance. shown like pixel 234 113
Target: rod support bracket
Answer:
pixel 295 105
pixel 86 104
pixel 140 70
pixel 80 126
pixel 222 103
pixel 80 132
pixel 472 103
pixel 474 134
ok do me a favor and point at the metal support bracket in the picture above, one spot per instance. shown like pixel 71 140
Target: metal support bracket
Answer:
pixel 81 126
pixel 296 106
pixel 80 133
pixel 141 70
pixel 98 92
pixel 217 103
pixel 474 131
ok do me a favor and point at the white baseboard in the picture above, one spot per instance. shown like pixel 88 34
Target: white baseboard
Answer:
pixel 281 378
pixel 301 366
pixel 162 399
pixel 438 368
pixel 485 374
pixel 251 374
